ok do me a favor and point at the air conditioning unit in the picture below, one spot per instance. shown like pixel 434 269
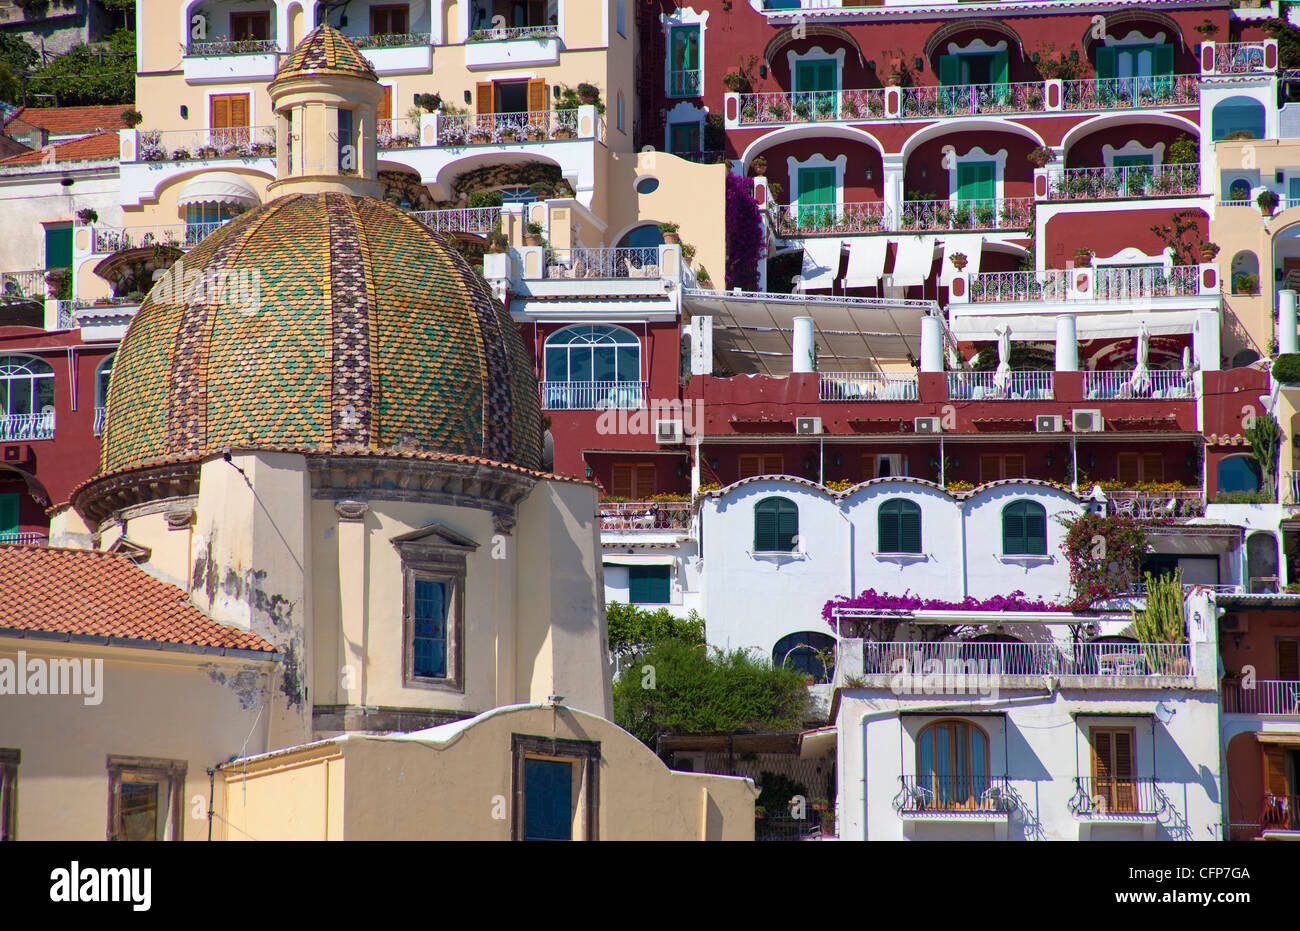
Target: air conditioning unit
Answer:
pixel 1049 423
pixel 668 431
pixel 807 426
pixel 1087 421
pixel 1233 624
pixel 927 425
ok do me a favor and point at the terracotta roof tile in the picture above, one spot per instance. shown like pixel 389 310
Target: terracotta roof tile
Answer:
pixel 97 594
pixel 99 147
pixel 66 120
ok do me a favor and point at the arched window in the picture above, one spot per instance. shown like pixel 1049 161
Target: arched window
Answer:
pixel 1239 190
pixel 776 524
pixel 647 234
pixel 1238 473
pixel 800 651
pixel 591 367
pixel 898 527
pixel 26 387
pixel 1261 563
pixel 1237 115
pixel 1245 273
pixel 1024 529
pixel 952 766
pixel 102 375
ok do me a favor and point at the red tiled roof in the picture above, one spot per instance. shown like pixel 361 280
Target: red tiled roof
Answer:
pixel 98 147
pixel 97 594
pixel 66 120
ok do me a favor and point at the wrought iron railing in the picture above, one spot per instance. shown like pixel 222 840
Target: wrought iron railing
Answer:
pixel 1264 696
pixel 774 107
pixel 638 516
pixel 1116 798
pixel 1239 58
pixel 24 537
pixel 1155 505
pixel 106 240
pixel 972 793
pixel 1280 812
pixel 1161 383
pixel 502 128
pixel 1289 486
pixel 1177 90
pixel 27 426
pixel 867 386
pixel 593 395
pixel 479 220
pixel 1126 182
pixel 392 40
pixel 16 287
pixel 621 262
pixel 178 145
pixel 960 658
pixel 398 133
pixel 218 47
pixel 511 33
pixel 1128 660
pixel 1000 213
pixel 1109 284
pixel 986 386
pixel 970 99
pixel 686 83
pixel 828 219
pixel 1118 284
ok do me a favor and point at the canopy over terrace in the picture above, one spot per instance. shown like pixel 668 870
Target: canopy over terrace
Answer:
pixel 1091 322
pixel 753 331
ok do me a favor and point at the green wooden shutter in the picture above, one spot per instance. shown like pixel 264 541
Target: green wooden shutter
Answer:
pixel 1164 60
pixel 949 70
pixel 999 69
pixel 1035 530
pixel 1106 67
pixel 649 584
pixel 887 529
pixel 816 196
pixel 975 181
pixel 909 528
pixel 9 523
pixel 1013 529
pixel 765 526
pixel 787 526
pixel 58 246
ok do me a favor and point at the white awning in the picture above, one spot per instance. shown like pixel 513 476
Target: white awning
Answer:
pixel 967 245
pixel 219 187
pixel 866 262
pixel 913 261
pixel 637 559
pixel 821 263
pixel 1088 325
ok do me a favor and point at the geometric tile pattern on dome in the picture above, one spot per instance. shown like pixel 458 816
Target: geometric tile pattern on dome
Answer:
pixel 359 306
pixel 325 50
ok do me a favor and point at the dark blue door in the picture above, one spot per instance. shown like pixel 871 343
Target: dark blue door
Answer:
pixel 548 795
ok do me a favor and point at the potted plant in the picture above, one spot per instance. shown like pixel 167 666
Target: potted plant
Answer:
pixel 132 118
pixel 670 234
pixel 541 190
pixel 736 82
pixel 497 242
pixel 959 260
pixel 589 93
pixel 59 283
pixel 702 276
pixel 533 236
pixel 1083 257
pixel 87 216
pixel 1040 156
pixel 758 166
pixel 1245 284
pixel 430 103
pixel 1268 201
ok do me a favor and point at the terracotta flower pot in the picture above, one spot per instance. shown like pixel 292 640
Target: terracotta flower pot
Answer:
pixel 532 240
pixel 672 239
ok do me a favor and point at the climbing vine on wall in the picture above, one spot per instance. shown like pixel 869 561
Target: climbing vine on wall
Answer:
pixel 746 246
pixel 1104 553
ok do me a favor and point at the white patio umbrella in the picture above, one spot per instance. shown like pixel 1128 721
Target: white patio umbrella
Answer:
pixel 1002 377
pixel 1140 381
pixel 1187 366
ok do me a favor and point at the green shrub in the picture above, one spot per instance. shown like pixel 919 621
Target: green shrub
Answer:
pixel 1243 497
pixel 1286 368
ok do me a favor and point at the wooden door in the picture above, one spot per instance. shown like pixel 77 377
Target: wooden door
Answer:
pixel 228 119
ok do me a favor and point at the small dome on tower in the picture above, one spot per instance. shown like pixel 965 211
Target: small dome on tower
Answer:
pixel 325 50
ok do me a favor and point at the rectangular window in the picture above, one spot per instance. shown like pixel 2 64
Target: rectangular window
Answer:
pixel 1134 468
pixel 1113 777
pixel 995 467
pixel 752 464
pixel 347 142
pixel 433 609
pixel 145 798
pixel 556 787
pixel 622 18
pixel 389 20
pixel 432 601
pixel 1288 659
pixel 227 111
pixel 649 585
pixel 816 197
pixel 548 799
pixel 58 246
pixel 684 61
pixel 245 27
pixel 883 465
pixel 633 480
pixel 683 138
pixel 9 760
pixel 9 521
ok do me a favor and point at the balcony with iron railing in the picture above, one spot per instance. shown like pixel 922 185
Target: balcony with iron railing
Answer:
pixel 27 426
pixel 603 262
pixel 1127 384
pixel 213 59
pixel 1093 284
pixel 1121 663
pixel 1236 58
pixel 1124 183
pixel 991 214
pixel 472 129
pixel 792 220
pixel 988 386
pixel 644 516
pixel 477 220
pixel 513 46
pixel 1099 798
pixel 106 240
pixel 685 83
pixel 1152 505
pixel 514 33
pixel 1280 813
pixel 22 287
pixel 949 796
pixel 221 48
pixel 1262 696
pixel 1165 91
pixel 391 40
pixel 593 395
pixel 185 145
pixel 397 133
pixel 24 538
pixel 864 218
pixel 867 386
pixel 1127 660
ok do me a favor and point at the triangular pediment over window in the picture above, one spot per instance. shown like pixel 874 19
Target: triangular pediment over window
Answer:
pixel 436 535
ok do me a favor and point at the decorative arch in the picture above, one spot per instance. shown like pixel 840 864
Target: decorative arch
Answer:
pixel 796 133
pixel 1113 120
pixel 1235 114
pixel 983 125
pixel 808 31
pixel 1134 18
pixel 938 39
pixel 799 651
pixel 1238 473
pixel 1262 562
pixel 1244 265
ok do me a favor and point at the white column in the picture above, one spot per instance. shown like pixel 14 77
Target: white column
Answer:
pixel 892 186
pixel 931 344
pixel 702 345
pixel 1286 321
pixel 802 357
pixel 1205 340
pixel 1067 344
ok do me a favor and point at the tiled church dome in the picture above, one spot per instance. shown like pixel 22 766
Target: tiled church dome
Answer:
pixel 368 332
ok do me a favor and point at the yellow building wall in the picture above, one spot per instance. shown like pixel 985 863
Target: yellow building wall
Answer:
pixel 461 788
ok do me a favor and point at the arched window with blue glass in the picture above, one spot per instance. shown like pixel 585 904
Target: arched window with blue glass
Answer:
pixel 1239 473
pixel 27 398
pixel 776 525
pixel 952 767
pixel 1024 529
pixel 1237 117
pixel 593 367
pixel 808 652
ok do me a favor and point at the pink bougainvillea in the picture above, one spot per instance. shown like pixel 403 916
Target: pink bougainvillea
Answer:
pixel 906 602
pixel 745 243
